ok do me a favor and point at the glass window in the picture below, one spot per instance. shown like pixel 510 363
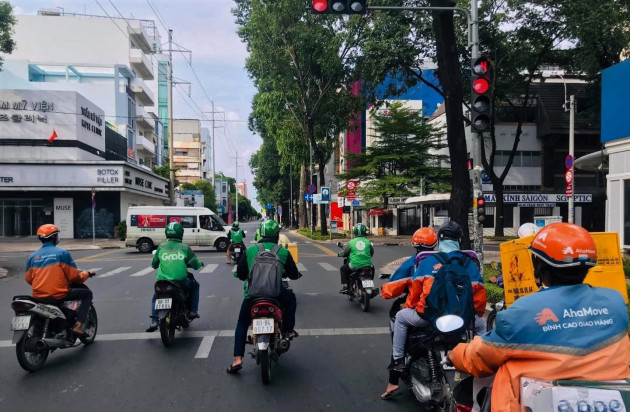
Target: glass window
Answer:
pixel 535 159
pixel 526 159
pixel 626 213
pixel 218 220
pixel 186 221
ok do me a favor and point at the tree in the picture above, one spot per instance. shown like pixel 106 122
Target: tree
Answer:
pixel 7 21
pixel 165 171
pixel 405 153
pixel 209 195
pixel 245 209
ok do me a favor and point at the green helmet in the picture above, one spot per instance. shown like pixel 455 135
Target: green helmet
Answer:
pixel 359 229
pixel 235 225
pixel 269 228
pixel 174 230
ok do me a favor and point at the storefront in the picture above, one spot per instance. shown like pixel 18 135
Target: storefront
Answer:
pixel 32 194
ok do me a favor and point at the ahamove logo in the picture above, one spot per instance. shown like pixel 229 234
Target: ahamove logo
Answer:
pixel 575 318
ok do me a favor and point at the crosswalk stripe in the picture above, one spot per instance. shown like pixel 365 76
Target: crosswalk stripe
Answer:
pixel 209 268
pixel 114 272
pixel 301 267
pixel 327 266
pixel 143 272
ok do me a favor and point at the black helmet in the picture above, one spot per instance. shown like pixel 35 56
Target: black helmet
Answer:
pixel 450 230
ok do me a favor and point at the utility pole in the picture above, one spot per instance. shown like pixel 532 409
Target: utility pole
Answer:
pixel 212 144
pixel 290 196
pixel 170 126
pixel 236 184
pixel 571 153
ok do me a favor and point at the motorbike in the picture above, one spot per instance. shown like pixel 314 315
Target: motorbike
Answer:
pixel 361 284
pixel 434 381
pixel 236 250
pixel 171 305
pixel 267 338
pixel 42 325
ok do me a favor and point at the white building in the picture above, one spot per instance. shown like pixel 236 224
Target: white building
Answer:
pixel 189 150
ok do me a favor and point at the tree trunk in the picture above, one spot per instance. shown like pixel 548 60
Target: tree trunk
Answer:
pixel 449 76
pixel 323 221
pixel 301 202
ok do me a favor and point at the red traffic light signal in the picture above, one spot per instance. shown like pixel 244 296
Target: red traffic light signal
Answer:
pixel 338 6
pixel 480 96
pixel 481 209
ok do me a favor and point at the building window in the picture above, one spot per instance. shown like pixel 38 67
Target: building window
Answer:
pixel 521 158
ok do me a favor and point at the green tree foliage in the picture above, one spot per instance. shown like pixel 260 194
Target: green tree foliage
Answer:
pixel 165 171
pixel 7 21
pixel 245 208
pixel 209 196
pixel 405 152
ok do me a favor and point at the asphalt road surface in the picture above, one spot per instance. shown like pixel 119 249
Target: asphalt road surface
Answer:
pixel 337 364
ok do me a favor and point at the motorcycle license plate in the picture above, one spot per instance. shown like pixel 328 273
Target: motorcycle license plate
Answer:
pixel 237 250
pixel 368 283
pixel 20 322
pixel 163 303
pixel 262 326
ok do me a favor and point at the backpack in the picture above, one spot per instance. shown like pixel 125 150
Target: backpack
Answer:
pixel 451 292
pixel 265 278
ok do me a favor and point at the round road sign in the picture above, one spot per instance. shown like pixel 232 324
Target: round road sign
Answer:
pixel 351 185
pixel 568 161
pixel 311 188
pixel 568 177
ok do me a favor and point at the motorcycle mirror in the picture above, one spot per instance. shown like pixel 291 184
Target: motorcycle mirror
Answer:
pixel 245 231
pixel 449 323
pixel 385 276
pixel 154 252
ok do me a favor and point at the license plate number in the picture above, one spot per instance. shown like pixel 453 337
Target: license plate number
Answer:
pixel 368 283
pixel 262 326
pixel 20 322
pixel 237 249
pixel 163 303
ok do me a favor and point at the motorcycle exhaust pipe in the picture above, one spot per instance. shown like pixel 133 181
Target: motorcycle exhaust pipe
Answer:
pixel 284 345
pixel 46 343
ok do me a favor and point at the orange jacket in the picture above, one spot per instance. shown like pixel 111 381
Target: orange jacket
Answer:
pixel 49 270
pixel 564 332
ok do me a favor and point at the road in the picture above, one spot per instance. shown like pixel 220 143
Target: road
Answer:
pixel 337 364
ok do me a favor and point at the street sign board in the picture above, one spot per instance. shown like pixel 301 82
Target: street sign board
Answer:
pixel 568 161
pixel 351 195
pixel 326 194
pixel 279 210
pixel 569 190
pixel 356 203
pixel 568 177
pixel 351 185
pixel 308 197
pixel 340 201
pixel 311 188
pixel 268 206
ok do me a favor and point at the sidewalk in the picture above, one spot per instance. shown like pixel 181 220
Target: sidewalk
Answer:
pixel 31 244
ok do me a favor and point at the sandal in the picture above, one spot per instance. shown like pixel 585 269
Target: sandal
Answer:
pixel 292 334
pixel 234 368
pixel 391 394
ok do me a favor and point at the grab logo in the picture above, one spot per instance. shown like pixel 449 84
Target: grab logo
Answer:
pixel 360 245
pixel 545 316
pixel 173 256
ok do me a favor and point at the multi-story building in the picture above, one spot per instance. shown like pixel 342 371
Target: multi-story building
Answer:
pixel 189 151
pixel 241 187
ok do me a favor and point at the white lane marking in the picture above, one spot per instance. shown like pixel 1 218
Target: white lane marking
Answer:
pixel 209 268
pixel 143 272
pixel 205 347
pixel 327 266
pixel 301 267
pixel 114 272
pixel 94 270
pixel 227 334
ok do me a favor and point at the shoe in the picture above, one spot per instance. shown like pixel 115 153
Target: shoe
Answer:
pixel 344 290
pixel 234 368
pixel 391 395
pixel 192 315
pixel 153 327
pixel 397 365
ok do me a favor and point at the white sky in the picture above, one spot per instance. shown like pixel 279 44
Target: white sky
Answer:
pixel 207 28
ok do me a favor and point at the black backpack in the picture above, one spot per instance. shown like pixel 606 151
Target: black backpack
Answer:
pixel 451 292
pixel 265 278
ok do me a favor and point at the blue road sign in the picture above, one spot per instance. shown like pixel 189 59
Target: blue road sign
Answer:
pixel 308 197
pixel 268 206
pixel 484 177
pixel 356 203
pixel 568 161
pixel 325 194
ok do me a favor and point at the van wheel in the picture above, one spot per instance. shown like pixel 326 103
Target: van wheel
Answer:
pixel 145 245
pixel 221 244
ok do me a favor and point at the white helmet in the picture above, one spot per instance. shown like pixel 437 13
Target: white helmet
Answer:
pixel 527 229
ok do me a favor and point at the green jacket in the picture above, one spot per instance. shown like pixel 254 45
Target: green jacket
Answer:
pixel 257 236
pixel 236 236
pixel 172 260
pixel 246 262
pixel 359 252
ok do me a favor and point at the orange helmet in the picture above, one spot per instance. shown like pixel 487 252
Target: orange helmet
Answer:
pixel 47 231
pixel 424 237
pixel 565 245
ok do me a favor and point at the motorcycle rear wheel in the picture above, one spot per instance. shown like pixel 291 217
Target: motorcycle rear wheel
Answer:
pixel 91 327
pixel 167 328
pixel 491 319
pixel 364 300
pixel 265 366
pixel 30 361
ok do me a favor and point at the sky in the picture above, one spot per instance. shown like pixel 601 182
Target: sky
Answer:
pixel 207 28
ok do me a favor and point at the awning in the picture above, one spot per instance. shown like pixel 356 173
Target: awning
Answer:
pixel 379 212
pixel 593 162
pixel 429 199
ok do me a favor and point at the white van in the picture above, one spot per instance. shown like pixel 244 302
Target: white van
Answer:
pixel 202 227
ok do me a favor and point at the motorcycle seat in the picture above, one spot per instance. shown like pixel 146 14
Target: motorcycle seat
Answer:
pixel 45 301
pixel 266 300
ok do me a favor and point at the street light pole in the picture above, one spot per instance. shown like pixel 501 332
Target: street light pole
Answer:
pixel 571 150
pixel 170 125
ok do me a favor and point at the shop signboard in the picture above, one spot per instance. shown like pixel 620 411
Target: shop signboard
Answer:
pixel 63 209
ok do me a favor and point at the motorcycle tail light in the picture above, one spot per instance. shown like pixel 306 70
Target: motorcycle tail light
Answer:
pixel 19 306
pixel 462 408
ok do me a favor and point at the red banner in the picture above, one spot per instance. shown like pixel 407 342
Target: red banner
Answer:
pixel 152 221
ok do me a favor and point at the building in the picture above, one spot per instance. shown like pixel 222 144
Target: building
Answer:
pixel 241 187
pixel 189 151
pixel 59 160
pixel 222 192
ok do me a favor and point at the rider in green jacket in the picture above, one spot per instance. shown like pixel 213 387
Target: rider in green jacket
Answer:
pixel 172 260
pixel 359 252
pixel 235 236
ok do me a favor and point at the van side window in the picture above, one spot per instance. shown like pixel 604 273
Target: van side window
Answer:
pixel 205 222
pixel 189 222
pixel 217 222
pixel 133 221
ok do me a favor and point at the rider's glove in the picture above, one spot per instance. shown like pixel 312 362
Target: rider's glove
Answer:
pixel 91 274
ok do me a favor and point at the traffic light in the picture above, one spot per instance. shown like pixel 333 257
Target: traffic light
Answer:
pixel 480 96
pixel 338 6
pixel 481 209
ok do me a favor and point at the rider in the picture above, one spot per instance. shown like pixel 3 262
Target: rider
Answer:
pixel 359 252
pixel 449 236
pixel 172 260
pixel 235 236
pixel 536 337
pixel 52 273
pixel 269 231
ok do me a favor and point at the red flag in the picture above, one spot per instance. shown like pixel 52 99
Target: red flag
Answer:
pixel 52 136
